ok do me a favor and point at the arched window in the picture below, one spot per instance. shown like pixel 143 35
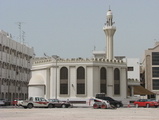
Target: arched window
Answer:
pixel 103 80
pixel 22 95
pixel 16 95
pixel 116 81
pixel 26 96
pixel 2 95
pixel 6 96
pixel 10 96
pixel 80 80
pixel 13 95
pixel 63 80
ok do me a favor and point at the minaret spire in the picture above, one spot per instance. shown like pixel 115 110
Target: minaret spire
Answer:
pixel 109 7
pixel 109 30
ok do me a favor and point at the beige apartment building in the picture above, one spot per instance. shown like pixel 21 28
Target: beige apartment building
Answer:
pixel 150 70
pixel 15 65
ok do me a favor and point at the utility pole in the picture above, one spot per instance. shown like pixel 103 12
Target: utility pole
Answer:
pixel 20 31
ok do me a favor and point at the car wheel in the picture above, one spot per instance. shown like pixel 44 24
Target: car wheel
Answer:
pixel 63 106
pixel 53 106
pixel 50 106
pixel 24 107
pixel 136 105
pixel 147 105
pixel 103 106
pixel 118 105
pixel 30 106
pixel 95 106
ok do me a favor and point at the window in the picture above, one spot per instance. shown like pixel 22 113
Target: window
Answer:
pixel 37 99
pixel 63 80
pixel 155 58
pixel 103 80
pixel 116 81
pixel 155 84
pixel 31 99
pixel 155 71
pixel 42 100
pixel 80 80
pixel 130 68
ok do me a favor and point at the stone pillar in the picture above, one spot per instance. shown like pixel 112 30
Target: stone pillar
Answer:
pixel 132 91
pixel 52 94
pixel 123 82
pixel 110 81
pixel 47 85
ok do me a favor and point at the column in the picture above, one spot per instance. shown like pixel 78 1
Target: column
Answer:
pixel 51 83
pixel 110 81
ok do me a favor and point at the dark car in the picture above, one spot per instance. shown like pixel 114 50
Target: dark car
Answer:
pixel 61 104
pixel 116 103
pixel 4 102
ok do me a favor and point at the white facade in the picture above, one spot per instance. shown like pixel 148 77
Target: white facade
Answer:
pixel 44 81
pixel 133 66
pixel 15 65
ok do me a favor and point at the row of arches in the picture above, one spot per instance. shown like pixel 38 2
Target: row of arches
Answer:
pixel 103 81
pixel 81 81
pixel 64 80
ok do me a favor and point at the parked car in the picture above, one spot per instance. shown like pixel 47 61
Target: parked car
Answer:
pixel 58 103
pixel 111 100
pixel 4 102
pixel 36 102
pixel 146 103
pixel 17 101
pixel 103 104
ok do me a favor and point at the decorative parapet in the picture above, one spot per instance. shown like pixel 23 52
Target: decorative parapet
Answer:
pixel 42 60
pixel 106 60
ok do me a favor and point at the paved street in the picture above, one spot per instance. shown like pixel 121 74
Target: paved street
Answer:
pixel 79 114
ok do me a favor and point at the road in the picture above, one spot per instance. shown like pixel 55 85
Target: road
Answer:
pixel 79 114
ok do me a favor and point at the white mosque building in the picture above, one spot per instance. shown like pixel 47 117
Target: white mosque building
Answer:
pixel 78 78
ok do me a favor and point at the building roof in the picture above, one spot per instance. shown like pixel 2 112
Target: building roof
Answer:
pixel 139 90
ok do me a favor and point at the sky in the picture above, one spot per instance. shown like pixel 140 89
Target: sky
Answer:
pixel 74 28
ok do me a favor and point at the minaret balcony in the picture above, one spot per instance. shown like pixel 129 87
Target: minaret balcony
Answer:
pixel 109 27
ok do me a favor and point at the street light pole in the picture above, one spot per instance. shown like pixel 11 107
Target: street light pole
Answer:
pixel 56 59
pixel 56 81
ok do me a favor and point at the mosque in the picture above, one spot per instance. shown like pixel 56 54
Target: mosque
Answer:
pixel 79 78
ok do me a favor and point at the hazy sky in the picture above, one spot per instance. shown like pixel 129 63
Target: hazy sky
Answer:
pixel 71 28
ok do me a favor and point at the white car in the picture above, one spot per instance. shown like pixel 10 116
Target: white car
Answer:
pixel 36 102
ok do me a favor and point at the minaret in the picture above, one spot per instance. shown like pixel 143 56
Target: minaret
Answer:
pixel 109 30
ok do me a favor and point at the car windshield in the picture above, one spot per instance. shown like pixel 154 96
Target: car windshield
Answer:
pixel 3 100
pixel 151 100
pixel 111 99
pixel 53 100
